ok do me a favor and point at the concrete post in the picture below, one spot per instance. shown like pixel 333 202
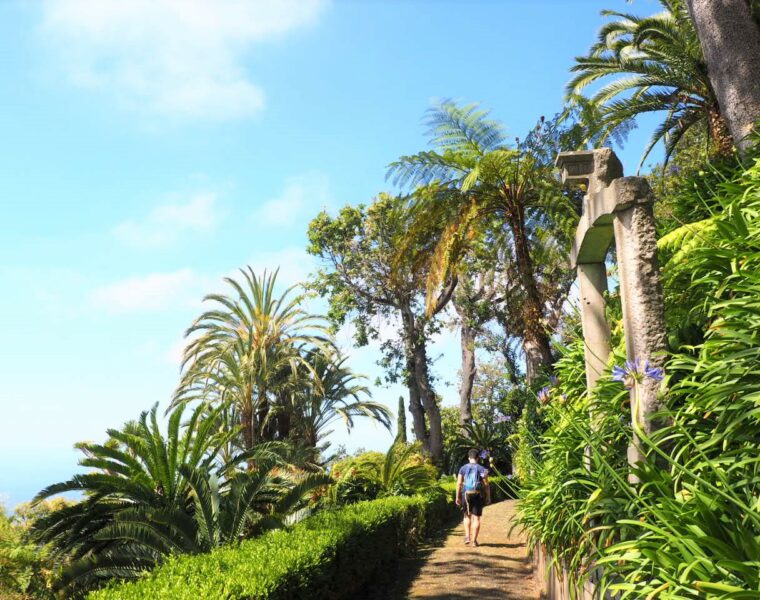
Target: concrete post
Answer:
pixel 641 293
pixel 618 208
pixel 596 332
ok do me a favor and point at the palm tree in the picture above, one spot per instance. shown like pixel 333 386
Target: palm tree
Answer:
pixel 730 39
pixel 473 180
pixel 151 495
pixel 248 351
pixel 651 64
pixel 332 392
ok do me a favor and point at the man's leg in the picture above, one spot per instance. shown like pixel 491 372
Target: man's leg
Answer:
pixel 474 528
pixel 466 524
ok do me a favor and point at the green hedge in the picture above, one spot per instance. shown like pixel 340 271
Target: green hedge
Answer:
pixel 328 556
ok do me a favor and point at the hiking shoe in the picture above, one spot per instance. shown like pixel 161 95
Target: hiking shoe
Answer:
pixel 466 540
pixel 475 544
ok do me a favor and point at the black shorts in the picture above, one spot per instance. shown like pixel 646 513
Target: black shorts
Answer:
pixel 473 504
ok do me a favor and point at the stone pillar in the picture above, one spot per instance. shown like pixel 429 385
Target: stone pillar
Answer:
pixel 596 332
pixel 618 208
pixel 641 294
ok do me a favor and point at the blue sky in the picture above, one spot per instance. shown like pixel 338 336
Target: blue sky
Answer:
pixel 149 148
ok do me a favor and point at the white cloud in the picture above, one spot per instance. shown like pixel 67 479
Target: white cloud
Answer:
pixel 171 58
pixel 167 222
pixel 302 197
pixel 157 291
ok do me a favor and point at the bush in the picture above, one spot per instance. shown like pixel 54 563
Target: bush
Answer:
pixel 329 556
pixel 691 527
pixel 402 471
pixel 355 488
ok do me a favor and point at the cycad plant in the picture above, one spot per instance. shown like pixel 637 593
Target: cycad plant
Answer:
pixel 472 180
pixel 248 351
pixel 650 65
pixel 149 495
pixel 403 471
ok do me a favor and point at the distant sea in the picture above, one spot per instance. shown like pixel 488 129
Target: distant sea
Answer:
pixel 24 472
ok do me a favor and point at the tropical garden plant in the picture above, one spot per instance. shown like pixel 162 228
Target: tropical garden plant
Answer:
pixel 149 495
pixel 248 352
pixel 370 285
pixel 691 527
pixel 474 181
pixel 650 64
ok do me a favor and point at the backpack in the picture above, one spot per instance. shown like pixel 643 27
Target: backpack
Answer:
pixel 472 480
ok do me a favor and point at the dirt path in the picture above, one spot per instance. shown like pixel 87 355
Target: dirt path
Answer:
pixel 448 570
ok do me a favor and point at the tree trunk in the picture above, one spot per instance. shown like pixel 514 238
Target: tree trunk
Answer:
pixel 422 401
pixel 246 422
pixel 429 403
pixel 246 417
pixel 721 137
pixel 415 407
pixel 536 344
pixel 283 423
pixel 730 41
pixel 469 369
pixel 415 403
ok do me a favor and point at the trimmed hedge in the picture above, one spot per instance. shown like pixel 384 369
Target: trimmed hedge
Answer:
pixel 328 556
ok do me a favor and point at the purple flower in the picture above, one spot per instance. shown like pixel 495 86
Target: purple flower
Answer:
pixel 484 454
pixel 503 418
pixel 655 373
pixel 544 394
pixel 553 380
pixel 510 476
pixel 634 372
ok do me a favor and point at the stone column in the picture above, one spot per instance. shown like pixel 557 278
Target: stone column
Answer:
pixel 641 294
pixel 596 332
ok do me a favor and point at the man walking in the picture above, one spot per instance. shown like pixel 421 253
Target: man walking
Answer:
pixel 473 493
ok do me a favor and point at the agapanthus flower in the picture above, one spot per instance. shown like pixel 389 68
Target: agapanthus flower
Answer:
pixel 634 372
pixel 503 418
pixel 553 380
pixel 544 394
pixel 484 454
pixel 510 476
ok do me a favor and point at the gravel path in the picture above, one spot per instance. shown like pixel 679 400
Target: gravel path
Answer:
pixel 497 570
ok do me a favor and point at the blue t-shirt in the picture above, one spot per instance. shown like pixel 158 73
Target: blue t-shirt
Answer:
pixel 482 471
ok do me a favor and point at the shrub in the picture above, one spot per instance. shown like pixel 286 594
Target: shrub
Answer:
pixel 355 488
pixel 328 556
pixel 691 527
pixel 402 471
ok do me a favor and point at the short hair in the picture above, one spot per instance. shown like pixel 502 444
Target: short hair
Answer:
pixel 473 453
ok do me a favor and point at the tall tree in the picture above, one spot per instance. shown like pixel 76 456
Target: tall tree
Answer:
pixel 474 181
pixel 730 41
pixel 401 421
pixel 367 281
pixel 652 64
pixel 330 392
pixel 249 351
pixel 475 301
